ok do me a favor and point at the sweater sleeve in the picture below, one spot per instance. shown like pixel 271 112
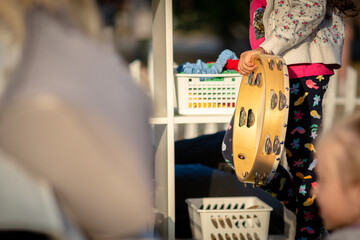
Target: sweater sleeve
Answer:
pixel 297 22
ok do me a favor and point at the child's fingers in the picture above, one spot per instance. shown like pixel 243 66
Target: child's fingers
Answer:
pixel 247 70
pixel 246 67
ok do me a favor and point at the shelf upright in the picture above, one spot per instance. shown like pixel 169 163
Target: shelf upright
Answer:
pixel 163 119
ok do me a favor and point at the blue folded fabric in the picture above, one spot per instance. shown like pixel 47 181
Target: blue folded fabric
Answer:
pixel 202 68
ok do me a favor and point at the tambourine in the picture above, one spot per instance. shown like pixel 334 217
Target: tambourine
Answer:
pixel 260 120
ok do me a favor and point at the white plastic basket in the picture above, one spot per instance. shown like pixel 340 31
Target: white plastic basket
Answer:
pixel 230 218
pixel 207 94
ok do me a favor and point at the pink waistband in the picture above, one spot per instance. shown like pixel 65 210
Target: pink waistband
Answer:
pixel 307 70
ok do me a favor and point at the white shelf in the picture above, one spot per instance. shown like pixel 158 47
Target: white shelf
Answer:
pixel 164 119
pixel 179 119
pixel 162 46
pixel 158 120
pixel 202 119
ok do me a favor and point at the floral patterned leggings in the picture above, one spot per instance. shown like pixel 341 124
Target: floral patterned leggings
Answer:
pixel 304 124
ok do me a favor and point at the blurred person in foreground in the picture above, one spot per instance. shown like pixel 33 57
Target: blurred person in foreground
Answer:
pixel 338 185
pixel 70 114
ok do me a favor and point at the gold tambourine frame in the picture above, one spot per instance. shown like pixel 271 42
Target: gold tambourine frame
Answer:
pixel 260 120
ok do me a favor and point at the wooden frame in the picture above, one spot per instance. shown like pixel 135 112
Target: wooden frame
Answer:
pixel 260 120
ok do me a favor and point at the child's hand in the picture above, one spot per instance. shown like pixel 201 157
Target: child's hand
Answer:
pixel 246 66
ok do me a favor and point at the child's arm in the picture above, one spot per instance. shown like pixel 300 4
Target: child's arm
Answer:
pixel 294 24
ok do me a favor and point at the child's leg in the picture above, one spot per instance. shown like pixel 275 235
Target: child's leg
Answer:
pixel 304 124
pixel 204 149
pixel 303 127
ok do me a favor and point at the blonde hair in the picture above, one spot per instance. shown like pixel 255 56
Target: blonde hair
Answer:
pixel 82 13
pixel 347 133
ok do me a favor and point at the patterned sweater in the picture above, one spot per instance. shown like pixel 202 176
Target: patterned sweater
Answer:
pixel 304 31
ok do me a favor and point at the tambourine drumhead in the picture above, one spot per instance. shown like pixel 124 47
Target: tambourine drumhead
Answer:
pixel 260 120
